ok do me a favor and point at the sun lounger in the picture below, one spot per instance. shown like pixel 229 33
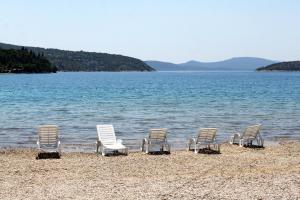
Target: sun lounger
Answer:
pixel 206 138
pixel 252 133
pixel 107 140
pixel 157 139
pixel 48 141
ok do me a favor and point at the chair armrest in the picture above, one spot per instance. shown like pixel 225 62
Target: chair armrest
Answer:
pixel 59 146
pixel 145 141
pixel 119 141
pixel 166 141
pixel 192 141
pixel 236 135
pixel 38 143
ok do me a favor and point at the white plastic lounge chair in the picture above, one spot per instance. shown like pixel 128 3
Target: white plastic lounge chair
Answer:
pixel 206 138
pixel 252 133
pixel 48 140
pixel 157 138
pixel 107 140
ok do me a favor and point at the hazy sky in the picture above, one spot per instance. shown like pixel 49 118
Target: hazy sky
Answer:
pixel 167 30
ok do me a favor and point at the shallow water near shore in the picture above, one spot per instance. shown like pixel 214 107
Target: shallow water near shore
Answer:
pixel 134 102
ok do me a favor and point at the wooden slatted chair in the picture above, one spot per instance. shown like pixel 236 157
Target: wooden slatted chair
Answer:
pixel 157 138
pixel 107 140
pixel 251 133
pixel 206 138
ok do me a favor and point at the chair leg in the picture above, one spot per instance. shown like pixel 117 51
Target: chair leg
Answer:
pixel 195 150
pixel 168 148
pixel 189 145
pixel 235 139
pixel 241 142
pixel 260 141
pixel 103 152
pixel 231 140
pixel 143 146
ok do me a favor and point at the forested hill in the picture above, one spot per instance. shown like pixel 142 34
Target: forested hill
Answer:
pixel 87 61
pixel 24 61
pixel 282 66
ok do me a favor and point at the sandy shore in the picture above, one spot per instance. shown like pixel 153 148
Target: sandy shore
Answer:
pixel 237 173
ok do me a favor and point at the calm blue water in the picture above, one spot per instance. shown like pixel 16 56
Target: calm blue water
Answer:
pixel 135 102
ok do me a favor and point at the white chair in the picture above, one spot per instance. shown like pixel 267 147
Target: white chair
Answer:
pixel 157 138
pixel 48 140
pixel 107 140
pixel 206 138
pixel 251 133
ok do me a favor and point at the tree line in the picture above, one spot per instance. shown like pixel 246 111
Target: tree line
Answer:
pixel 24 61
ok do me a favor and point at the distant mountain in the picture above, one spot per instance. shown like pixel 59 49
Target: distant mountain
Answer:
pixel 163 66
pixel 86 61
pixel 24 61
pixel 282 66
pixel 238 64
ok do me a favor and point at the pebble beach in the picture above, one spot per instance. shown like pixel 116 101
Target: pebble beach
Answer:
pixel 237 173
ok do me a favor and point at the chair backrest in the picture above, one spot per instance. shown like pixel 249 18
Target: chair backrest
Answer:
pixel 106 134
pixel 252 131
pixel 48 135
pixel 207 135
pixel 158 134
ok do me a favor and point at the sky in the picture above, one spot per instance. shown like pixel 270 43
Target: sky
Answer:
pixel 166 30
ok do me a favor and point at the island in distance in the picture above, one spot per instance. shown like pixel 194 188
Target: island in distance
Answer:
pixel 232 64
pixel 85 61
pixel 282 66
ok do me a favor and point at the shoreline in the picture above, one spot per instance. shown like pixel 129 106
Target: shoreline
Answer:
pixel 237 173
pixel 133 148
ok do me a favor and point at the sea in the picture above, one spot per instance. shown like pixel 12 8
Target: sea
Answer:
pixel 135 102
